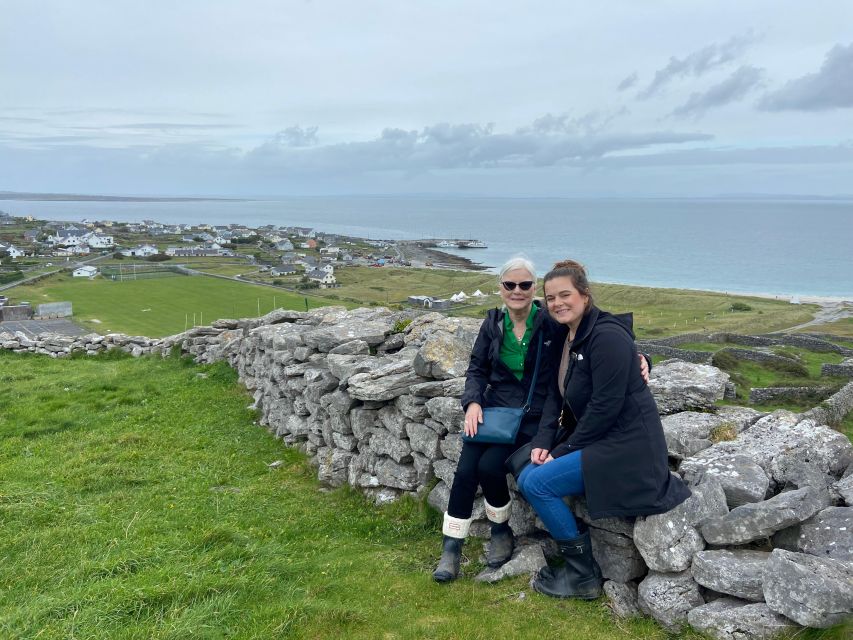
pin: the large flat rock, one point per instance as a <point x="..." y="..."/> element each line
<point x="737" y="572"/>
<point x="668" y="597"/>
<point x="816" y="592"/>
<point x="732" y="619"/>
<point x="689" y="432"/>
<point x="668" y="541"/>
<point x="828" y="534"/>
<point x="683" y="386"/>
<point x="762" y="519"/>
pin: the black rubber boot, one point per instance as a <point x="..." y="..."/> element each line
<point x="451" y="556"/>
<point x="579" y="577"/>
<point x="501" y="545"/>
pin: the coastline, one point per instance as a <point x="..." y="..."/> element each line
<point x="441" y="259"/>
<point x="830" y="308"/>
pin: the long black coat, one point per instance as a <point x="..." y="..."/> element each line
<point x="617" y="424"/>
<point x="490" y="383"/>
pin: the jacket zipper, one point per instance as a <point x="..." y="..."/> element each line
<point x="566" y="402"/>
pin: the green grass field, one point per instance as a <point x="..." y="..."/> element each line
<point x="159" y="306"/>
<point x="657" y="312"/>
<point x="390" y="285"/>
<point x="104" y="536"/>
<point x="843" y="328"/>
<point x="666" y="312"/>
<point x="137" y="502"/>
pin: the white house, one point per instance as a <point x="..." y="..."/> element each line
<point x="13" y="251"/>
<point x="97" y="241"/>
<point x="142" y="251"/>
<point x="328" y="268"/>
<point x="325" y="280"/>
<point x="69" y="237"/>
<point x="84" y="272"/>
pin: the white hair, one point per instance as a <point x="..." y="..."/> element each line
<point x="517" y="262"/>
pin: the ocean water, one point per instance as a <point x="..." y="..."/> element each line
<point x="781" y="247"/>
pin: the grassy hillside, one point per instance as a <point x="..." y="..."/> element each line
<point x="104" y="536"/>
<point x="159" y="306"/>
<point x="172" y="301"/>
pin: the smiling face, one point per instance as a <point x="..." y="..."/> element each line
<point x="565" y="303"/>
<point x="517" y="300"/>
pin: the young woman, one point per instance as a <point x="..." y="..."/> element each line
<point x="616" y="454"/>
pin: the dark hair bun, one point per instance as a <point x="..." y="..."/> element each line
<point x="569" y="264"/>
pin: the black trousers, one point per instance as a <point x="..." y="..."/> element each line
<point x="483" y="465"/>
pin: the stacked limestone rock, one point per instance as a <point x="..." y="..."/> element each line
<point x="764" y="543"/>
<point x="761" y="544"/>
<point x="57" y="346"/>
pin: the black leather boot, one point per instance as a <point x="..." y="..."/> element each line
<point x="579" y="577"/>
<point x="501" y="545"/>
<point x="451" y="555"/>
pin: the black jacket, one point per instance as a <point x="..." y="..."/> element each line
<point x="490" y="383"/>
<point x="616" y="423"/>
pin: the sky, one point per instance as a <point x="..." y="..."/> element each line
<point x="552" y="98"/>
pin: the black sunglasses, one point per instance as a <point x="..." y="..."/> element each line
<point x="509" y="285"/>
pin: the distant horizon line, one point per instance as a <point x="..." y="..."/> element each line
<point x="82" y="197"/>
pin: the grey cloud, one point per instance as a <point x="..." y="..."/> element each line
<point x="592" y="122"/>
<point x="628" y="82"/>
<point x="831" y="87"/>
<point x="461" y="146"/>
<point x="296" y="136"/>
<point x="698" y="63"/>
<point x="735" y="87"/>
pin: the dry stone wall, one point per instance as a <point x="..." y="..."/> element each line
<point x="762" y="545"/>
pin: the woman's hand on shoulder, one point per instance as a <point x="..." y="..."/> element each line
<point x="538" y="456"/>
<point x="473" y="418"/>
<point x="644" y="368"/>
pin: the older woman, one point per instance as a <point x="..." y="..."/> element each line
<point x="499" y="375"/>
<point x="616" y="454"/>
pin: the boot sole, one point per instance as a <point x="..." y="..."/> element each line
<point x="561" y="596"/>
<point x="443" y="577"/>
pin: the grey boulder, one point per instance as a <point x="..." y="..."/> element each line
<point x="743" y="480"/>
<point x="828" y="534"/>
<point x="737" y="572"/>
<point x="443" y="356"/>
<point x="681" y="386"/>
<point x="623" y="599"/>
<point x="732" y="619"/>
<point x="762" y="519"/>
<point x="526" y="559"/>
<point x="668" y="541"/>
<point x="668" y="597"/>
<point x="689" y="432"/>
<point x="816" y="592"/>
<point x="616" y="555"/>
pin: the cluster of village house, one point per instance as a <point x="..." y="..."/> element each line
<point x="202" y="240"/>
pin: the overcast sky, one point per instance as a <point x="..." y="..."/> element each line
<point x="535" y="98"/>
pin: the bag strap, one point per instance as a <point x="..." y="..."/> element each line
<point x="526" y="406"/>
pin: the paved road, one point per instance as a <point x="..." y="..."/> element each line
<point x="34" y="327"/>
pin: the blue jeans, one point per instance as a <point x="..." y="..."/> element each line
<point x="544" y="486"/>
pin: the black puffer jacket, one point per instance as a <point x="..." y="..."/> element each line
<point x="617" y="424"/>
<point x="490" y="383"/>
